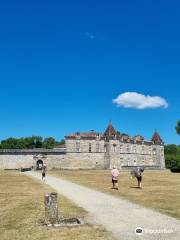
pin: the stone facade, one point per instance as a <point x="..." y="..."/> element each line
<point x="115" y="149"/>
<point x="91" y="150"/>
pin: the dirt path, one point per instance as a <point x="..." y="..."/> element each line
<point x="117" y="215"/>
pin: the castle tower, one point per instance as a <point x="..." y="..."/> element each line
<point x="111" y="146"/>
<point x="110" y="132"/>
<point x="156" y="139"/>
<point x="158" y="149"/>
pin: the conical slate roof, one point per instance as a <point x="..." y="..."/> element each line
<point x="110" y="131"/>
<point x="156" y="138"/>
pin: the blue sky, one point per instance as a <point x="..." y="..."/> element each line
<point x="63" y="62"/>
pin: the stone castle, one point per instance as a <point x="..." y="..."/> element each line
<point x="91" y="150"/>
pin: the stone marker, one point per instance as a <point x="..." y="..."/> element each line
<point x="51" y="208"/>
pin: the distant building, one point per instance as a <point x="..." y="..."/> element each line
<point x="91" y="150"/>
<point x="111" y="148"/>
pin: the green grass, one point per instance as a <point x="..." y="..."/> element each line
<point x="22" y="206"/>
<point x="161" y="189"/>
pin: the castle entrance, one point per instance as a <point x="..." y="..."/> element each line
<point x="39" y="165"/>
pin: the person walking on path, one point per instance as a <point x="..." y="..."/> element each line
<point x="137" y="173"/>
<point x="44" y="172"/>
<point x="115" y="174"/>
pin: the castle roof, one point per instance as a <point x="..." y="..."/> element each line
<point x="110" y="131"/>
<point x="156" y="139"/>
<point x="86" y="135"/>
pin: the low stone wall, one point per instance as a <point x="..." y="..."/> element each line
<point x="53" y="159"/>
<point x="15" y="161"/>
<point x="60" y="159"/>
<point x="84" y="161"/>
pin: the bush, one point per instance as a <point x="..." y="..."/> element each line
<point x="172" y="156"/>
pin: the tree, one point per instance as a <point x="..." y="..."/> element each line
<point x="22" y="143"/>
<point x="171" y="149"/>
<point x="30" y="143"/>
<point x="37" y="140"/>
<point x="62" y="142"/>
<point x="9" y="143"/>
<point x="172" y="156"/>
<point x="178" y="127"/>
<point x="49" y="142"/>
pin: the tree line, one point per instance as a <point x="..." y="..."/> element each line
<point x="30" y="143"/>
<point x="172" y="156"/>
<point x="172" y="153"/>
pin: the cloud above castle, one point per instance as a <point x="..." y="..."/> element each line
<point x="89" y="35"/>
<point x="139" y="101"/>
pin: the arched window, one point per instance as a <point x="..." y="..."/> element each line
<point x="97" y="147"/>
<point x="105" y="147"/>
<point x="114" y="147"/>
<point x="77" y="146"/>
<point x="90" y="147"/>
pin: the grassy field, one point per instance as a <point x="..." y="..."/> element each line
<point x="22" y="205"/>
<point x="161" y="189"/>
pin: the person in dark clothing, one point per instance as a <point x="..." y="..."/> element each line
<point x="137" y="173"/>
<point x="44" y="172"/>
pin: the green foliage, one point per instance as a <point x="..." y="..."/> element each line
<point x="178" y="127"/>
<point x="172" y="156"/>
<point x="171" y="149"/>
<point x="49" y="142"/>
<point x="29" y="143"/>
<point x="62" y="142"/>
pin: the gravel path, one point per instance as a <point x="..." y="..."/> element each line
<point x="117" y="215"/>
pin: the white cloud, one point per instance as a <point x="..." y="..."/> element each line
<point x="139" y="101"/>
<point x="89" y="35"/>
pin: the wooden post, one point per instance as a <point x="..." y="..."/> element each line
<point x="51" y="208"/>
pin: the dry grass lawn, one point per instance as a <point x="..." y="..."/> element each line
<point x="161" y="189"/>
<point x="22" y="205"/>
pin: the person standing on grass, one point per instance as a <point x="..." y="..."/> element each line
<point x="137" y="173"/>
<point x="44" y="172"/>
<point x="115" y="174"/>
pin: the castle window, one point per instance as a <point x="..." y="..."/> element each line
<point x="128" y="148"/>
<point x="105" y="148"/>
<point x="78" y="136"/>
<point x="114" y="147"/>
<point x="78" y="147"/>
<point x="142" y="151"/>
<point x="97" y="136"/>
<point x="90" y="147"/>
<point x="154" y="150"/>
<point x="121" y="148"/>
<point x="97" y="147"/>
